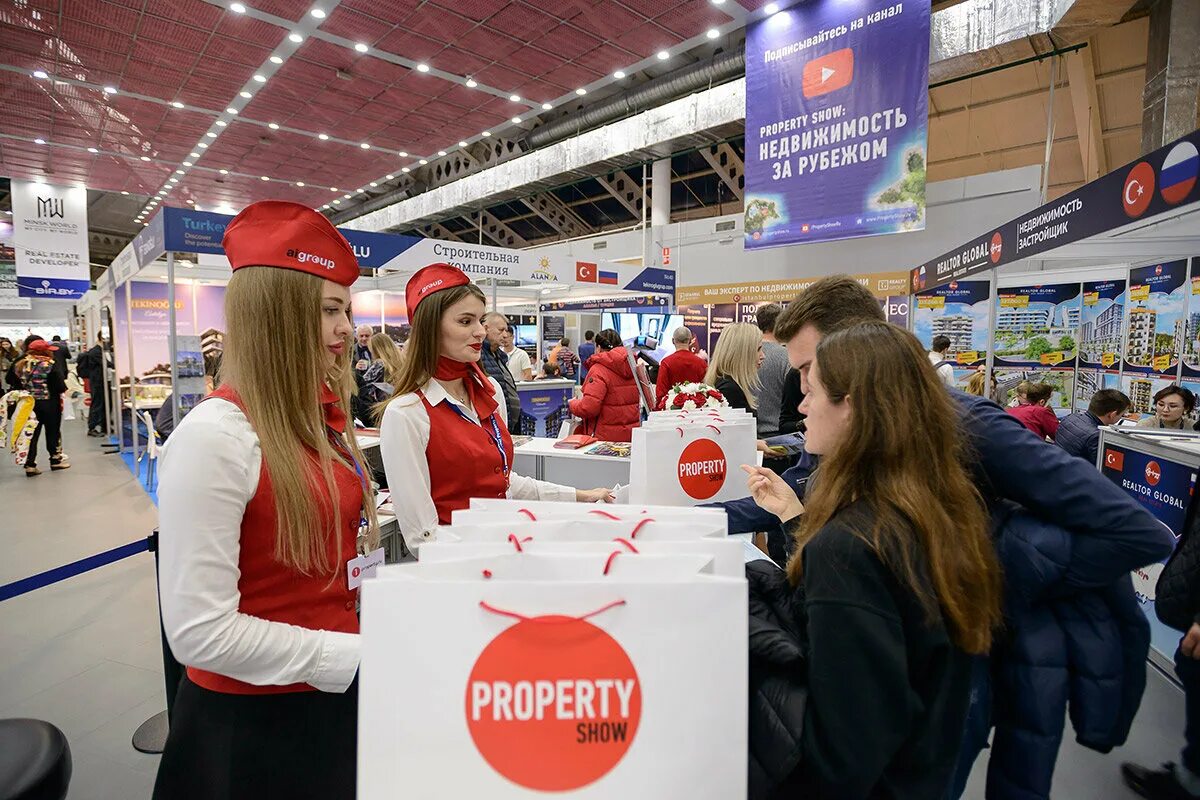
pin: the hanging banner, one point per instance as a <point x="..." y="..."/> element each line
<point x="1037" y="325"/>
<point x="10" y="297"/>
<point x="1162" y="181"/>
<point x="881" y="284"/>
<point x="836" y="111"/>
<point x="958" y="311"/>
<point x="1101" y="327"/>
<point x="50" y="238"/>
<point x="638" y="303"/>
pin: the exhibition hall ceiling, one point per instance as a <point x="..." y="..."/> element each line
<point x="222" y="103"/>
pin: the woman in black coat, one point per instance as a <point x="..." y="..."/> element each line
<point x="861" y="651"/>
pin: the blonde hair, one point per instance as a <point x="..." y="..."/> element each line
<point x="280" y="394"/>
<point x="384" y="350"/>
<point x="975" y="384"/>
<point x="736" y="358"/>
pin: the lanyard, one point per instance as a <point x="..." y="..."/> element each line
<point x="344" y="451"/>
<point x="494" y="434"/>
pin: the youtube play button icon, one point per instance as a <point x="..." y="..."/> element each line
<point x="828" y="73"/>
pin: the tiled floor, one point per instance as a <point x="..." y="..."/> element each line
<point x="85" y="654"/>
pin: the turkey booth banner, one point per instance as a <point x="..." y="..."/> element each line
<point x="556" y="679"/>
<point x="836" y="114"/>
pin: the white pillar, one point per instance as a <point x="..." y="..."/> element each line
<point x="660" y="193"/>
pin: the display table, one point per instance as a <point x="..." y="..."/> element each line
<point x="539" y="459"/>
<point x="543" y="406"/>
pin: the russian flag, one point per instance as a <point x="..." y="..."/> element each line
<point x="608" y="277"/>
<point x="1178" y="174"/>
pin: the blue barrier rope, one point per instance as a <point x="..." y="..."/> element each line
<point x="25" y="585"/>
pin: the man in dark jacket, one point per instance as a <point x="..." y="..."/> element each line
<point x="90" y="367"/>
<point x="1079" y="433"/>
<point x="495" y="363"/>
<point x="1011" y="463"/>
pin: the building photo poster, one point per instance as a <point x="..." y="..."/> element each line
<point x="836" y="113"/>
<point x="1037" y="325"/>
<point x="959" y="311"/>
<point x="1157" y="301"/>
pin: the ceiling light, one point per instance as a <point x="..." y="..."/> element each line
<point x="486" y="133"/>
<point x="365" y="146"/>
<point x="177" y="104"/>
<point x="260" y="78"/>
<point x="187" y="163"/>
<point x="264" y="178"/>
<point x="145" y="158"/>
<point x="193" y="155"/>
<point x="334" y="189"/>
<point x="770" y="8"/>
<point x="231" y="110"/>
<point x="191" y="202"/>
<point x="462" y="144"/>
<point x="362" y="191"/>
<point x="276" y="60"/>
<point x="93" y="150"/>
<point x="441" y="152"/>
<point x="223" y="171"/>
<point x="337" y="202"/>
<point x="405" y="169"/>
<point x="203" y="145"/>
<point x="125" y="193"/>
<point x="273" y="126"/>
<point x="347" y="196"/>
<point x="712" y="33"/>
<point x="546" y="106"/>
<point x="178" y="172"/>
<point x="39" y="141"/>
<point x="211" y="134"/>
<point x="319" y="13"/>
<point x="110" y="90"/>
<point x="373" y="183"/>
<point x="40" y="74"/>
<point x="516" y="98"/>
<point x="361" y="47"/>
<point x="323" y="136"/>
<point x="174" y="180"/>
<point x="246" y="95"/>
<point x="516" y="120"/>
<point x="391" y="177"/>
<point x="619" y="74"/>
<point x="471" y="83"/>
<point x="423" y="162"/>
<point x="663" y="55"/>
<point x="295" y="37"/>
<point x="300" y="184"/>
<point x="422" y="68"/>
<point x="718" y="2"/>
<point x="403" y="154"/>
<point x="237" y="8"/>
<point x="145" y="224"/>
<point x="221" y="123"/>
<point x="581" y="91"/>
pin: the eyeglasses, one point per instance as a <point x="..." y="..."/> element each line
<point x="1169" y="406"/>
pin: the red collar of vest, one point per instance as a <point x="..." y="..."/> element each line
<point x="335" y="418"/>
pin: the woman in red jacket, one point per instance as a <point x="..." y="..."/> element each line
<point x="609" y="406"/>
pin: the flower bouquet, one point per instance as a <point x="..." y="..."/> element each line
<point x="692" y="396"/>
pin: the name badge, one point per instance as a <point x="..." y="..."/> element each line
<point x="362" y="567"/>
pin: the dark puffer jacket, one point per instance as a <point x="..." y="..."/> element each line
<point x="1076" y="640"/>
<point x="609" y="407"/>
<point x="1079" y="435"/>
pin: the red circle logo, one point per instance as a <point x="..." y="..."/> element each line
<point x="1139" y="189"/>
<point x="702" y="469"/>
<point x="997" y="246"/>
<point x="356" y="572"/>
<point x="1153" y="473"/>
<point x="553" y="703"/>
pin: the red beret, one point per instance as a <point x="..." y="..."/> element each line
<point x="41" y="346"/>
<point x="431" y="280"/>
<point x="275" y="233"/>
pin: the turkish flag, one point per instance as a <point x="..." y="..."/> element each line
<point x="1114" y="459"/>
<point x="585" y="272"/>
<point x="828" y="73"/>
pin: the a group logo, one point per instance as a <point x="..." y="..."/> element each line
<point x="1178" y="175"/>
<point x="553" y="703"/>
<point x="997" y="247"/>
<point x="1153" y="473"/>
<point x="1139" y="190"/>
<point x="702" y="469"/>
<point x="431" y="285"/>
<point x="304" y="258"/>
<point x="50" y="207"/>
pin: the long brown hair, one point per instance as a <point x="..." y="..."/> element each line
<point x="280" y="391"/>
<point x="903" y="454"/>
<point x="425" y="341"/>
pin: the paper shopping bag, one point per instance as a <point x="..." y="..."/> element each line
<point x="482" y="509"/>
<point x="728" y="555"/>
<point x="688" y="464"/>
<point x="526" y="675"/>
<point x="491" y="527"/>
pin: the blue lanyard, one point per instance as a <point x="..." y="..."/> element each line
<point x="494" y="435"/>
<point x="344" y="451"/>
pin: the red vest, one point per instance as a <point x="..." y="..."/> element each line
<point x="272" y="591"/>
<point x="464" y="461"/>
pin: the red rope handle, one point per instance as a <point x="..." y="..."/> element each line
<point x="487" y="573"/>
<point x="627" y="544"/>
<point x="605" y="514"/>
<point x="515" y="615"/>
<point x="611" y="556"/>
<point x="680" y="432"/>
<point x="527" y="513"/>
<point x="637" y="528"/>
<point x="512" y="537"/>
<point x="714" y="427"/>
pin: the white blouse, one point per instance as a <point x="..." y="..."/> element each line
<point x="208" y="473"/>
<point x="403" y="438"/>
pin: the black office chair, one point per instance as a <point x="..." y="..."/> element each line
<point x="35" y="760"/>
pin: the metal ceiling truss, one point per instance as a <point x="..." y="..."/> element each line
<point x="728" y="165"/>
<point x="557" y="214"/>
<point x="624" y="189"/>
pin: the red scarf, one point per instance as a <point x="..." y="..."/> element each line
<point x="479" y="388"/>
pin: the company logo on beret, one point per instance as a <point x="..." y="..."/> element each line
<point x="553" y="703"/>
<point x="429" y="287"/>
<point x="304" y="258"/>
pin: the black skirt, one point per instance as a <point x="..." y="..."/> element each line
<point x="229" y="746"/>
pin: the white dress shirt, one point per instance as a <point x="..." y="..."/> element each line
<point x="403" y="438"/>
<point x="945" y="372"/>
<point x="518" y="362"/>
<point x="209" y="471"/>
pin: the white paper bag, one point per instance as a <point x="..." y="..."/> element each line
<point x="728" y="555"/>
<point x="688" y="464"/>
<point x="544" y="510"/>
<point x="551" y="677"/>
<point x="496" y="526"/>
